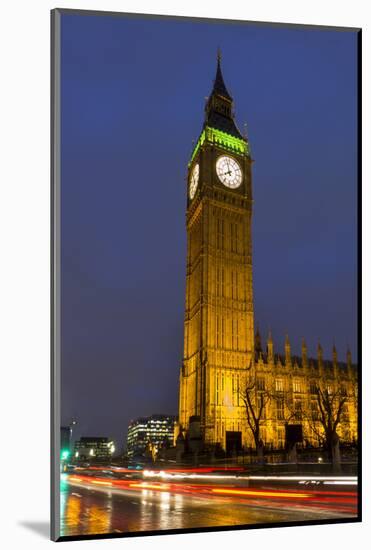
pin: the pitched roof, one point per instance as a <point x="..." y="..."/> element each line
<point x="223" y="123"/>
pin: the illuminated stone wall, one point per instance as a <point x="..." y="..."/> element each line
<point x="219" y="321"/>
<point x="219" y="340"/>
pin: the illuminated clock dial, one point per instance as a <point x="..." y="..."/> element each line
<point x="229" y="172"/>
<point x="195" y="174"/>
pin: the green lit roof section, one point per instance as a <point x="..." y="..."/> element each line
<point x="217" y="137"/>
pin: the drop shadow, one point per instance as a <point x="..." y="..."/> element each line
<point x="42" y="528"/>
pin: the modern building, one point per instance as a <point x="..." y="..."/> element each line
<point x="93" y="449"/>
<point x="222" y="355"/>
<point x="156" y="430"/>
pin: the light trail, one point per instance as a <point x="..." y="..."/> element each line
<point x="307" y="494"/>
<point x="304" y="478"/>
<point x="273" y="494"/>
<point x="340" y="482"/>
<point x="341" y="501"/>
<point x="164" y="474"/>
<point x="210" y="473"/>
<point x="149" y="486"/>
<point x="167" y="474"/>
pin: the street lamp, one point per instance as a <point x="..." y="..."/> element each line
<point x="71" y="425"/>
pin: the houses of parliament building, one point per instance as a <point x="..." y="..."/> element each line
<point x="222" y="350"/>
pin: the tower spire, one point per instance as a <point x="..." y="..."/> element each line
<point x="287" y="351"/>
<point x="334" y="353"/>
<point x="258" y="342"/>
<point x="304" y="355"/>
<point x="335" y="360"/>
<point x="320" y="359"/>
<point x="219" y="85"/>
<point x="270" y="347"/>
<point x="218" y="108"/>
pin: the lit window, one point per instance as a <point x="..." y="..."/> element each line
<point x="280" y="409"/>
<point x="220" y="233"/>
<point x="314" y="410"/>
<point x="298" y="410"/>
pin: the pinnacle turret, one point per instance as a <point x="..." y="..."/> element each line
<point x="287" y="351"/>
<point x="258" y="342"/>
<point x="270" y="348"/>
<point x="304" y="353"/>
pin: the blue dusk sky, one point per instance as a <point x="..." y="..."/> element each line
<point x="132" y="102"/>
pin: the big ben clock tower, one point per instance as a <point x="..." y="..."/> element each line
<point x="219" y="316"/>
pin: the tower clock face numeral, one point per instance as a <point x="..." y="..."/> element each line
<point x="195" y="174"/>
<point x="229" y="172"/>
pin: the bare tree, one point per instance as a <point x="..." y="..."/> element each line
<point x="285" y="406"/>
<point x="287" y="412"/>
<point x="255" y="398"/>
<point x="331" y="405"/>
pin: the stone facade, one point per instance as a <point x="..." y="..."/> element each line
<point x="219" y="339"/>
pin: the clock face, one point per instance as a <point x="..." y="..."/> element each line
<point x="194" y="181"/>
<point x="229" y="172"/>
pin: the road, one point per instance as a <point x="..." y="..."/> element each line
<point x="96" y="502"/>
